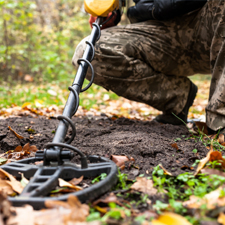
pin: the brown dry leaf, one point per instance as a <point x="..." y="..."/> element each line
<point x="211" y="200"/>
<point x="50" y="216"/>
<point x="5" y="206"/>
<point x="33" y="148"/>
<point x="217" y="156"/>
<point x="21" y="215"/>
<point x="79" y="211"/>
<point x="26" y="146"/>
<point x="169" y="218"/>
<point x="111" y="198"/>
<point x="18" y="148"/>
<point x="120" y="160"/>
<point x="51" y="204"/>
<point x="21" y="152"/>
<point x="165" y="171"/>
<point x="144" y="185"/>
<point x="202" y="127"/>
<point x="174" y="145"/>
<point x="76" y="181"/>
<point x="221" y="218"/>
<point x="63" y="183"/>
<point x="203" y="162"/>
<point x="17" y="135"/>
<point x="16" y="185"/>
<point x="6" y="187"/>
<point x="221" y="138"/>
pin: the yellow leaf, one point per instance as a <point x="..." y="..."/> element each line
<point x="221" y="219"/>
<point x="169" y="218"/>
<point x="63" y="183"/>
<point x="25" y="104"/>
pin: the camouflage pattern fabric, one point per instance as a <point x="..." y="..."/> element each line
<point x="150" y="61"/>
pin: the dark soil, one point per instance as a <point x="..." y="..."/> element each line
<point x="149" y="143"/>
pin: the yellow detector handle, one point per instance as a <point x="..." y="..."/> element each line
<point x="101" y="7"/>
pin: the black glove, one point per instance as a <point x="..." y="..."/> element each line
<point x="142" y="11"/>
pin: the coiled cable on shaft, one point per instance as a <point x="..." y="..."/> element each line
<point x="65" y="119"/>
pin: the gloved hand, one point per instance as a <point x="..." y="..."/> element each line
<point x="142" y="11"/>
<point x="112" y="22"/>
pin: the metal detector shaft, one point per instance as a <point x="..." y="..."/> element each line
<point x="77" y="85"/>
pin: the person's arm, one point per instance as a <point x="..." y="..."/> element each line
<point x="161" y="9"/>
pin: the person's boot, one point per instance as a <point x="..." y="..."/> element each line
<point x="212" y="132"/>
<point x="172" y="119"/>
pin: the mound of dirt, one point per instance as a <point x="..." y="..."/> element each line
<point x="149" y="143"/>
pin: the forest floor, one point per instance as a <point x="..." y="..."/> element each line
<point x="168" y="174"/>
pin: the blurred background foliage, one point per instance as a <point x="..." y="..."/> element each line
<point x="37" y="42"/>
<point x="38" y="38"/>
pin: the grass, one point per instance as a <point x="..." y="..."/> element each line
<point x="56" y="93"/>
<point x="52" y="93"/>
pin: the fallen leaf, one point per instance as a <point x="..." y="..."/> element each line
<point x="111" y="198"/>
<point x="221" y="218"/>
<point x="211" y="200"/>
<point x="17" y="135"/>
<point x="25" y="104"/>
<point x="18" y="148"/>
<point x="165" y="171"/>
<point x="217" y="156"/>
<point x="16" y="185"/>
<point x="78" y="212"/>
<point x="144" y="185"/>
<point x="102" y="210"/>
<point x="21" y="152"/>
<point x="203" y="162"/>
<point x="26" y="146"/>
<point x="120" y="160"/>
<point x="169" y="218"/>
<point x="6" y="187"/>
<point x="33" y="148"/>
<point x="76" y="181"/>
<point x="221" y="138"/>
<point x="63" y="183"/>
<point x="22" y="215"/>
<point x="174" y="145"/>
<point x="51" y="204"/>
<point x="202" y="127"/>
